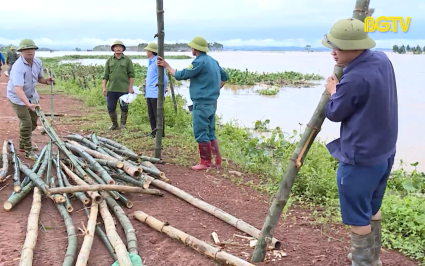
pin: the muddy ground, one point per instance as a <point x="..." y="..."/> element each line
<point x="303" y="242"/>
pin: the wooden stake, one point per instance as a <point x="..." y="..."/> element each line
<point x="27" y="253"/>
<point x="83" y="257"/>
<point x="5" y="160"/>
<point x="198" y="245"/>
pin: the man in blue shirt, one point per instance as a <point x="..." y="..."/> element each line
<point x="151" y="89"/>
<point x="206" y="79"/>
<point x="2" y="62"/>
<point x="365" y="102"/>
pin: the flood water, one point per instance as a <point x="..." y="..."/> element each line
<point x="292" y="106"/>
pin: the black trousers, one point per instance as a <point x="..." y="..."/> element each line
<point x="112" y="98"/>
<point x="152" y="112"/>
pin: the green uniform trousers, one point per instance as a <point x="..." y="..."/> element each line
<point x="27" y="124"/>
<point x="204" y="122"/>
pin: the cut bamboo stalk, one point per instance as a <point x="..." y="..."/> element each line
<point x="157" y="173"/>
<point x="83" y="257"/>
<point x="16" y="170"/>
<point x="125" y="153"/>
<point x="72" y="236"/>
<point x="35" y="167"/>
<point x="34" y="177"/>
<point x="172" y="92"/>
<point x="68" y="205"/>
<point x="5" y="160"/>
<point x="27" y="252"/>
<point x="57" y="197"/>
<point x="215" y="253"/>
<point x="144" y="183"/>
<point x="161" y="78"/>
<point x="220" y="214"/>
<point x="150" y="159"/>
<point x="92" y="163"/>
<point x="215" y="238"/>
<point x="114" y="238"/>
<point x="104" y="238"/>
<point x="98" y="154"/>
<point x="17" y="197"/>
<point x="49" y="162"/>
<point x="128" y="203"/>
<point x="130" y="233"/>
<point x="93" y="194"/>
<point x="101" y="181"/>
<point x="297" y="159"/>
<point x="80" y="195"/>
<point x="116" y="145"/>
<point x="84" y="141"/>
<point x="87" y="188"/>
<point x="113" y="164"/>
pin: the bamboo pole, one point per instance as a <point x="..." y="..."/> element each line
<point x="130" y="233"/>
<point x="170" y="80"/>
<point x="215" y="253"/>
<point x="5" y="160"/>
<point x="80" y="195"/>
<point x="16" y="171"/>
<point x="128" y="203"/>
<point x="72" y="236"/>
<point x="49" y="162"/>
<point x="116" y="145"/>
<point x="114" y="238"/>
<point x="113" y="164"/>
<point x="143" y="184"/>
<point x="129" y="168"/>
<point x="98" y="155"/>
<point x="34" y="177"/>
<point x="104" y="238"/>
<point x="68" y="205"/>
<point x="93" y="194"/>
<point x="92" y="163"/>
<point x="35" y="167"/>
<point x="150" y="159"/>
<point x="297" y="159"/>
<point x="160" y="104"/>
<point x="220" y="214"/>
<point x="125" y="153"/>
<point x="27" y="252"/>
<point x="83" y="257"/>
<point x="99" y="180"/>
<point x="15" y="198"/>
<point x="87" y="188"/>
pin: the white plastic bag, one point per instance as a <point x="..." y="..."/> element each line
<point x="129" y="97"/>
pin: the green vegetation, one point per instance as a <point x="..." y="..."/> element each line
<point x="77" y="57"/>
<point x="268" y="91"/>
<point x="402" y="49"/>
<point x="403" y="206"/>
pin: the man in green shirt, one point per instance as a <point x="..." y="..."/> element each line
<point x="12" y="56"/>
<point x="119" y="76"/>
<point x="206" y="79"/>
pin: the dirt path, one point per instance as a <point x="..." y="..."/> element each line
<point x="304" y="243"/>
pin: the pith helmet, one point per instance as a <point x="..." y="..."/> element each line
<point x="12" y="48"/>
<point x="348" y="34"/>
<point x="26" y="44"/>
<point x="199" y="43"/>
<point x="153" y="47"/>
<point x="117" y="42"/>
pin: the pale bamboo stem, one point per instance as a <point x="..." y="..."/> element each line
<point x="83" y="257"/>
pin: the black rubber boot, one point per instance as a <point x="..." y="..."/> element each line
<point x="376" y="231"/>
<point x="114" y="119"/>
<point x="362" y="249"/>
<point x="123" y="119"/>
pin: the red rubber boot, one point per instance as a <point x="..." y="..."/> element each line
<point x="205" y="154"/>
<point x="216" y="152"/>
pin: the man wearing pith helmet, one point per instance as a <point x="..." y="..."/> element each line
<point x="12" y="56"/>
<point x="22" y="93"/>
<point x="119" y="78"/>
<point x="206" y="79"/>
<point x="365" y="102"/>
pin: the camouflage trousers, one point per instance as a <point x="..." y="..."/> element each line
<point x="27" y="124"/>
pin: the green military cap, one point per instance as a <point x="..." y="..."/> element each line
<point x="348" y="34"/>
<point x="153" y="47"/>
<point x="12" y="47"/>
<point x="26" y="44"/>
<point x="199" y="43"/>
<point x="118" y="42"/>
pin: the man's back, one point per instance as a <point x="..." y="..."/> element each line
<point x="366" y="105"/>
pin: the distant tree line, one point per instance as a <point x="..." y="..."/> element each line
<point x="402" y="49"/>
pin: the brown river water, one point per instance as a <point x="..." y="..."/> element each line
<point x="292" y="106"/>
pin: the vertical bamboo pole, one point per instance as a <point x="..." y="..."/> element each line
<point x="83" y="257"/>
<point x="295" y="162"/>
<point x="160" y="105"/>
<point x="170" y="80"/>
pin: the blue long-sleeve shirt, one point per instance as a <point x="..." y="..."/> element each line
<point x="205" y="76"/>
<point x="2" y="58"/>
<point x="365" y="103"/>
<point x="152" y="79"/>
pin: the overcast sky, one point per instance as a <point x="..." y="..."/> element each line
<point x="86" y="23"/>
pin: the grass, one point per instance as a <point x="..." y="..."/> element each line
<point x="266" y="158"/>
<point x="268" y="91"/>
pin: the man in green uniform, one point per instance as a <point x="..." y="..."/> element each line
<point x="21" y="92"/>
<point x="206" y="79"/>
<point x="12" y="56"/>
<point x="119" y="76"/>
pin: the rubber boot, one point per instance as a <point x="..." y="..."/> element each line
<point x="362" y="249"/>
<point x="123" y="119"/>
<point x="114" y="118"/>
<point x="22" y="147"/>
<point x="205" y="154"/>
<point x="376" y="231"/>
<point x="31" y="155"/>
<point x="216" y="152"/>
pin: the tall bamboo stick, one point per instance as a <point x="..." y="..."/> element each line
<point x="27" y="252"/>
<point x="16" y="170"/>
<point x="83" y="257"/>
<point x="114" y="238"/>
<point x="220" y="214"/>
<point x="125" y="153"/>
<point x="5" y="160"/>
<point x="297" y="159"/>
<point x="72" y="236"/>
<point x="34" y="177"/>
<point x="160" y="104"/>
<point x="116" y="145"/>
<point x="198" y="245"/>
<point x="49" y="162"/>
<point x="80" y="195"/>
<point x="170" y="80"/>
<point x="98" y="155"/>
<point x="68" y="205"/>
